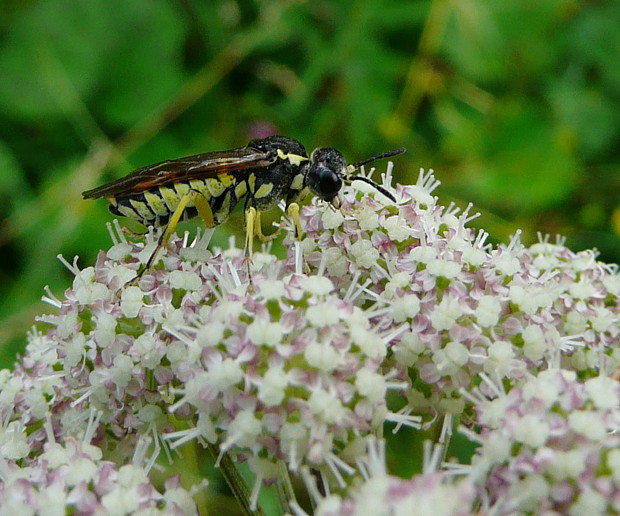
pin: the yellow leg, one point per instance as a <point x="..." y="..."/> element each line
<point x="293" y="212"/>
<point x="251" y="216"/>
<point x="204" y="210"/>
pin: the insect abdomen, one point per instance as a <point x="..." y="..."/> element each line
<point x="156" y="206"/>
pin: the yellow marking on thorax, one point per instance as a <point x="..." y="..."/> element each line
<point x="156" y="203"/>
<point x="298" y="182"/>
<point x="295" y="159"/>
<point x="263" y="191"/>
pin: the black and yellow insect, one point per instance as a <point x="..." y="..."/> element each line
<point x="210" y="185"/>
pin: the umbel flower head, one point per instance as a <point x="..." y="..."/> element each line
<point x="293" y="367"/>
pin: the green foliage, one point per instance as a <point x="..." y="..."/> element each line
<point x="513" y="103"/>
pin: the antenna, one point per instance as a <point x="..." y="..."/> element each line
<point x="388" y="154"/>
<point x="357" y="166"/>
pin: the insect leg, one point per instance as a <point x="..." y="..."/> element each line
<point x="259" y="230"/>
<point x="204" y="208"/>
<point x="293" y="212"/>
<point x="251" y="216"/>
<point x="172" y="224"/>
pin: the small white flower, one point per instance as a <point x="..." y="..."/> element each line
<point x="488" y="310"/>
<point x="371" y="385"/>
<point x="265" y="333"/>
<point x="604" y="392"/>
<point x="210" y="334"/>
<point x="121" y="372"/>
<point x="531" y="431"/>
<point x="318" y="285"/>
<point x="370" y="343"/>
<point x="499" y="360"/>
<point x="332" y="219"/>
<point x="323" y="314"/>
<point x="368" y="219"/>
<point x="243" y="430"/>
<point x="396" y="229"/>
<point x="225" y="374"/>
<point x="185" y="280"/>
<point x="405" y="307"/>
<point x="603" y="319"/>
<point x="506" y="263"/>
<point x="324" y="357"/>
<point x="326" y="406"/>
<point x="423" y="254"/>
<point x="131" y="301"/>
<point x="582" y="289"/>
<point x="588" y="423"/>
<point x="444" y="268"/>
<point x="445" y="314"/>
<point x="272" y="289"/>
<point x="567" y="464"/>
<point x="272" y="387"/>
<point x="364" y="253"/>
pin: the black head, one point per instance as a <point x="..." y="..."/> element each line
<point x="327" y="171"/>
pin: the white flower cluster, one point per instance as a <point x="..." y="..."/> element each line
<point x="382" y="314"/>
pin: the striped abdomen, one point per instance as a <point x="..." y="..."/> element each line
<point x="156" y="206"/>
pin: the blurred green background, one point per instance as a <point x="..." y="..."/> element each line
<point x="514" y="103"/>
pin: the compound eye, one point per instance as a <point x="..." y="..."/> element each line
<point x="329" y="183"/>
